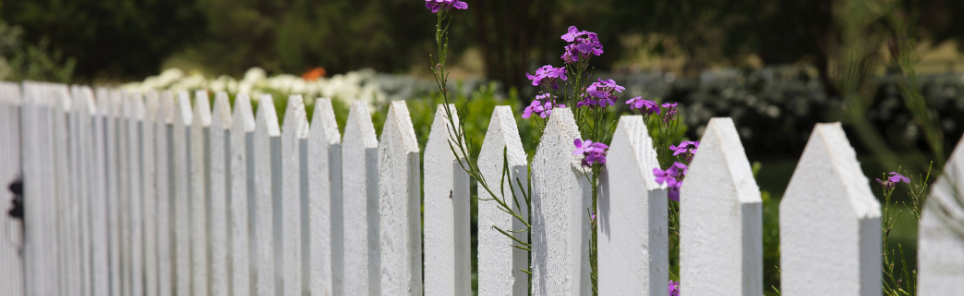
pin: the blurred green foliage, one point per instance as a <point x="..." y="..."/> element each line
<point x="23" y="61"/>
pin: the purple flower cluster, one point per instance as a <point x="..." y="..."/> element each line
<point x="890" y="182"/>
<point x="673" y="177"/>
<point x="671" y="111"/>
<point x="439" y="5"/>
<point x="643" y="106"/>
<point x="673" y="288"/>
<point x="550" y="73"/>
<point x="686" y="148"/>
<point x="541" y="109"/>
<point x="600" y="94"/>
<point x="594" y="152"/>
<point x="581" y="45"/>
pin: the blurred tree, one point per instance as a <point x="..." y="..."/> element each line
<point x="112" y="39"/>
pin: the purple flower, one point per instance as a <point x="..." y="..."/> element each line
<point x="673" y="177"/>
<point x="890" y="183"/>
<point x="644" y="106"/>
<point x="671" y="111"/>
<point x="439" y="5"/>
<point x="600" y="94"/>
<point x="547" y="71"/>
<point x="593" y="152"/>
<point x="544" y="110"/>
<point x="687" y="149"/>
<point x="673" y="288"/>
<point x="580" y="47"/>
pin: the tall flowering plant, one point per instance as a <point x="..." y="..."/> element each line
<point x="569" y="85"/>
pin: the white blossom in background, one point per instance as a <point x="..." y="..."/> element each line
<point x="365" y="85"/>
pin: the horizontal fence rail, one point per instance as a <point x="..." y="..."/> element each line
<point x="167" y="193"/>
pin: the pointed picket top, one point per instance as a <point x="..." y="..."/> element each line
<point x="61" y="96"/>
<point x="165" y="110"/>
<point x="152" y="106"/>
<point x="266" y="135"/>
<point x="561" y="196"/>
<point x="242" y="127"/>
<point x="399" y="202"/>
<point x="183" y="116"/>
<point x="116" y="103"/>
<point x="499" y="264"/>
<point x="940" y="248"/>
<point x="829" y="221"/>
<point x="149" y="144"/>
<point x="294" y="131"/>
<point x="181" y="214"/>
<point x="632" y="231"/>
<point x="202" y="109"/>
<point x="10" y="94"/>
<point x="360" y="176"/>
<point x="325" y="240"/>
<point x="221" y="113"/>
<point x="447" y="242"/>
<point x="138" y="107"/>
<point x="720" y="206"/>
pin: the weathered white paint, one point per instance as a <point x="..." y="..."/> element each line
<point x="149" y="177"/>
<point x="92" y="179"/>
<point x="325" y="200"/>
<point x="447" y="226"/>
<point x="200" y="177"/>
<point x="76" y="194"/>
<point x="165" y="194"/>
<point x="11" y="262"/>
<point x="632" y="233"/>
<point x="829" y="222"/>
<point x="294" y="131"/>
<point x="242" y="191"/>
<point x="940" y="253"/>
<point x="63" y="199"/>
<point x="39" y="239"/>
<point x="360" y="185"/>
<point x="120" y="105"/>
<point x="136" y="113"/>
<point x="560" y="223"/>
<point x="720" y="218"/>
<point x="181" y="139"/>
<point x="267" y="154"/>
<point x="99" y="199"/>
<point x="219" y="189"/>
<point x="499" y="263"/>
<point x="399" y="204"/>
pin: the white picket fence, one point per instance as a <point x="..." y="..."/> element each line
<point x="148" y="195"/>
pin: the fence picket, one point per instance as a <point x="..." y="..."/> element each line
<point x="219" y="185"/>
<point x="63" y="199"/>
<point x="39" y="255"/>
<point x="325" y="200"/>
<point x="940" y="250"/>
<point x="720" y="206"/>
<point x="79" y="132"/>
<point x="267" y="164"/>
<point x="181" y="139"/>
<point x="75" y="179"/>
<point x="447" y="230"/>
<point x="294" y="137"/>
<point x="499" y="264"/>
<point x="200" y="177"/>
<point x="164" y="129"/>
<point x="136" y="113"/>
<point x="11" y="262"/>
<point x="632" y="230"/>
<point x="819" y="241"/>
<point x="560" y="223"/>
<point x="242" y="194"/>
<point x="360" y="190"/>
<point x="121" y="105"/>
<point x="149" y="177"/>
<point x="399" y="204"/>
<point x="100" y="197"/>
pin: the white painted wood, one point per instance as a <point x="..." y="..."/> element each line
<point x="35" y="159"/>
<point x="242" y="194"/>
<point x="829" y="222"/>
<point x="360" y="185"/>
<point x="267" y="153"/>
<point x="181" y="139"/>
<point x="499" y="263"/>
<point x="64" y="199"/>
<point x="400" y="205"/>
<point x="165" y="194"/>
<point x="11" y="262"/>
<point x="200" y="177"/>
<point x="136" y="114"/>
<point x="150" y="192"/>
<point x="219" y="188"/>
<point x="79" y="175"/>
<point x="560" y="223"/>
<point x="100" y="201"/>
<point x="325" y="200"/>
<point x="121" y="112"/>
<point x="114" y="189"/>
<point x="720" y="218"/>
<point x="93" y="183"/>
<point x="294" y="131"/>
<point x="631" y="222"/>
<point x="940" y="253"/>
<point x="447" y="227"/>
